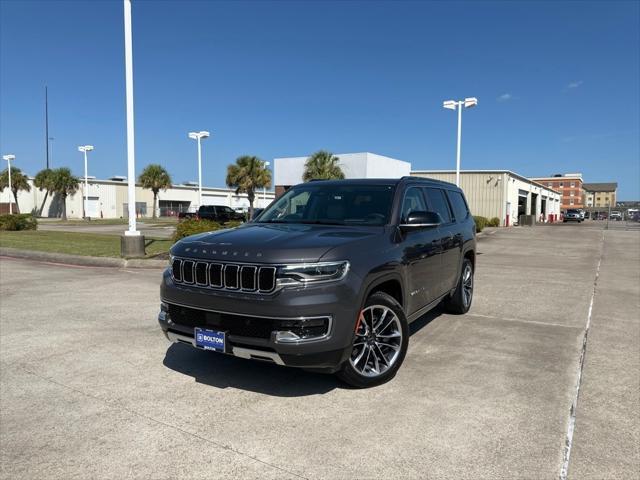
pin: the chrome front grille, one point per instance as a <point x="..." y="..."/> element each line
<point x="224" y="276"/>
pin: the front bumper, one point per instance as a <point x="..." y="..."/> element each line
<point x="339" y="302"/>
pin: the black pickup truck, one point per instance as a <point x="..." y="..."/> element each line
<point x="216" y="213"/>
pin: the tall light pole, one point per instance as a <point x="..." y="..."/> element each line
<point x="51" y="139"/>
<point x="132" y="243"/>
<point x="199" y="136"/>
<point x="264" y="189"/>
<point x="8" y="158"/>
<point x="460" y="104"/>
<point x="84" y="149"/>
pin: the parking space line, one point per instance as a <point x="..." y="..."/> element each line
<point x="572" y="412"/>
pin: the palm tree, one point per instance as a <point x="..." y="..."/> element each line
<point x="19" y="181"/>
<point x="43" y="181"/>
<point x="247" y="174"/>
<point x="322" y="165"/>
<point x="64" y="184"/>
<point x="155" y="178"/>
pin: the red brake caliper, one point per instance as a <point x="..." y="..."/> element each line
<point x="360" y="318"/>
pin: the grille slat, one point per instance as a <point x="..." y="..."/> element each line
<point x="176" y="270"/>
<point x="248" y="277"/>
<point x="231" y="277"/>
<point x="266" y="279"/>
<point x="227" y="276"/>
<point x="201" y="274"/>
<point x="215" y="275"/>
<point x="187" y="271"/>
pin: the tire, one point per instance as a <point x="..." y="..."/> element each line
<point x="459" y="302"/>
<point x="374" y="343"/>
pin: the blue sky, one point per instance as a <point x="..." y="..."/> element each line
<point x="557" y="83"/>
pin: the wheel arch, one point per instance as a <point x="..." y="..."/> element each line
<point x="390" y="284"/>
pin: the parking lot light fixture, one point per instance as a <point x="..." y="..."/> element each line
<point x="84" y="149"/>
<point x="198" y="136"/>
<point x="8" y="158"/>
<point x="459" y="105"/>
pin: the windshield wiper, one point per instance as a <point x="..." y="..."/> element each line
<point x="322" y="222"/>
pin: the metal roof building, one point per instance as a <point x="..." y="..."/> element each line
<point x="502" y="194"/>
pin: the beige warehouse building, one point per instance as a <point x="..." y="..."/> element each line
<point x="502" y="194"/>
<point x="108" y="199"/>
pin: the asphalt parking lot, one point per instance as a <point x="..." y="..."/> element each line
<point x="89" y="388"/>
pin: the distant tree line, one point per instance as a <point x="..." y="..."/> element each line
<point x="246" y="175"/>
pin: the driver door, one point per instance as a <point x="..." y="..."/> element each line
<point x="421" y="255"/>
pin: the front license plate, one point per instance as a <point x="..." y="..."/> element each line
<point x="210" y="339"/>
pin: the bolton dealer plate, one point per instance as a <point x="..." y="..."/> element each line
<point x="210" y="339"/>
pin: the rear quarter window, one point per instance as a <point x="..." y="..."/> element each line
<point x="459" y="205"/>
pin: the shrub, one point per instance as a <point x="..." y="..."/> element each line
<point x="232" y="224"/>
<point x="192" y="226"/>
<point x="494" y="222"/>
<point x="24" y="221"/>
<point x="481" y="222"/>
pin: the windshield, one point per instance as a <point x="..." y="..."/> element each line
<point x="332" y="205"/>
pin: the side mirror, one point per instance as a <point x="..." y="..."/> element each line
<point x="417" y="220"/>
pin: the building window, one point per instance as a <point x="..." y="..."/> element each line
<point x="573" y="184"/>
<point x="598" y="199"/>
<point x="562" y="184"/>
<point x="571" y="202"/>
<point x="549" y="184"/>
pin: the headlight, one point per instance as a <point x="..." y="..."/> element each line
<point x="305" y="273"/>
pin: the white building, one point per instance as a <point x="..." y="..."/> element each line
<point x="108" y="199"/>
<point x="502" y="194"/>
<point x="288" y="171"/>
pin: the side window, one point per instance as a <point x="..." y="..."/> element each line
<point x="460" y="210"/>
<point x="438" y="203"/>
<point x="413" y="202"/>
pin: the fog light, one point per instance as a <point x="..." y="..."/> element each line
<point x="284" y="337"/>
<point x="293" y="331"/>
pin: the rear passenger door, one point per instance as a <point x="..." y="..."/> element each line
<point x="450" y="237"/>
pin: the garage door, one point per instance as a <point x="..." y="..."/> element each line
<point x="93" y="207"/>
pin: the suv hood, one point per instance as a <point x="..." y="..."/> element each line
<point x="270" y="243"/>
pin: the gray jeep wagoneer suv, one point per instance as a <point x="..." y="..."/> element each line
<point x="327" y="278"/>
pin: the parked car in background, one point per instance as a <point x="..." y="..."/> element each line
<point x="572" y="215"/>
<point x="216" y="213"/>
<point x="328" y="278"/>
<point x="615" y="216"/>
<point x="582" y="213"/>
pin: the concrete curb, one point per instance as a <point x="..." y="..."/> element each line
<point x="110" y="261"/>
<point x="82" y="259"/>
<point x="487" y="231"/>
